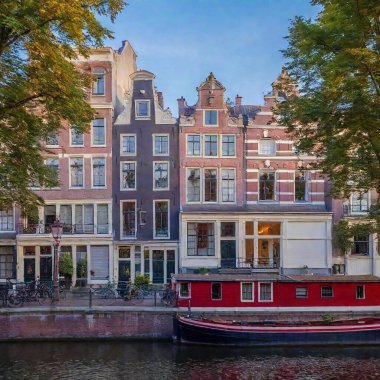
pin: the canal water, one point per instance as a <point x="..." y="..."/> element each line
<point x="116" y="360"/>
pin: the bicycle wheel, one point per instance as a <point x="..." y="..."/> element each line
<point x="44" y="297"/>
<point x="15" y="300"/>
<point x="108" y="294"/>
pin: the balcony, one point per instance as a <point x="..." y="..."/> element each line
<point x="355" y="211"/>
<point x="262" y="264"/>
<point x="68" y="229"/>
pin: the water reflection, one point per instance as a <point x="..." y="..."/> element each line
<point x="116" y="360"/>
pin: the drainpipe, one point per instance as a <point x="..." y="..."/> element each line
<point x="245" y="124"/>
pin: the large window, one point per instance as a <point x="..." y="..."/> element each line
<point x="200" y="239"/>
<point x="142" y="109"/>
<point x="210" y="185"/>
<point x="161" y="219"/>
<point x="99" y="172"/>
<point x="6" y="262"/>
<point x="267" y="147"/>
<point x="228" y="185"/>
<point x="84" y="219"/>
<point x="211" y="117"/>
<point x="98" y="84"/>
<point x="193" y="145"/>
<point x="52" y="139"/>
<point x="300" y="186"/>
<point x="193" y="185"/>
<point x="265" y="292"/>
<point x="161" y="145"/>
<point x="6" y="220"/>
<point x="99" y="259"/>
<point x="247" y="291"/>
<point x="76" y="172"/>
<point x="128" y="175"/>
<point x="361" y="245"/>
<point x="77" y="138"/>
<point x="228" y="145"/>
<point x="102" y="218"/>
<point x="98" y="132"/>
<point x="53" y="165"/>
<point x="267" y="186"/>
<point x="360" y="202"/>
<point x="128" y="145"/>
<point x="211" y="145"/>
<point x="161" y="175"/>
<point x="129" y="219"/>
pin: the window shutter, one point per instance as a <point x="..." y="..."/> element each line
<point x="99" y="261"/>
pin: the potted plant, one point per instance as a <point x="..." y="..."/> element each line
<point x="66" y="268"/>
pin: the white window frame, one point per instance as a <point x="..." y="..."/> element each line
<point x="58" y="173"/>
<point x="105" y="133"/>
<point x="221" y="146"/>
<point x="204" y="145"/>
<point x="271" y="291"/>
<point x="154" y="219"/>
<point x="204" y="118"/>
<point x="122" y="237"/>
<point x="200" y="185"/>
<point x="154" y="144"/>
<point x="53" y="145"/>
<point x="253" y="291"/>
<point x="270" y="153"/>
<point x="154" y="171"/>
<point x="84" y="173"/>
<point x="71" y="140"/>
<point x="203" y="195"/>
<point x="179" y="290"/>
<point x="221" y="186"/>
<point x="275" y="189"/>
<point x="137" y="102"/>
<point x="121" y="144"/>
<point x="307" y="182"/>
<point x="14" y="220"/>
<point x="200" y="145"/>
<point x="99" y="71"/>
<point x="121" y="175"/>
<point x="92" y="173"/>
<point x="302" y="297"/>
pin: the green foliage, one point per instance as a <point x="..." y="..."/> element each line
<point x="66" y="267"/>
<point x="82" y="268"/>
<point x="39" y="85"/>
<point x="142" y="280"/>
<point x="327" y="318"/>
<point x="335" y="60"/>
<point x="203" y="270"/>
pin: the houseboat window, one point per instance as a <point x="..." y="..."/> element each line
<point x="301" y="292"/>
<point x="265" y="292"/>
<point x="247" y="291"/>
<point x="200" y="239"/>
<point x="216" y="291"/>
<point x="184" y="289"/>
<point x="360" y="294"/>
<point x="361" y="245"/>
<point x="327" y="292"/>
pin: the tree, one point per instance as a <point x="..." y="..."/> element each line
<point x="335" y="61"/>
<point x="39" y="85"/>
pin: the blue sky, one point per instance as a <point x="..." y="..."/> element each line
<point x="181" y="41"/>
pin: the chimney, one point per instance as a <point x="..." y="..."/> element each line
<point x="238" y="100"/>
<point x="181" y="104"/>
<point x="160" y="99"/>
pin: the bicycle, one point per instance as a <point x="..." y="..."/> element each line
<point x="27" y="293"/>
<point x="133" y="292"/>
<point x="109" y="291"/>
<point x="169" y="297"/>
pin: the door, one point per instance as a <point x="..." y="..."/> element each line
<point x="158" y="267"/>
<point x="46" y="264"/>
<point x="124" y="271"/>
<point x="29" y="270"/>
<point x="228" y="253"/>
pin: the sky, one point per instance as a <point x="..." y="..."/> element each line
<point x="182" y="41"/>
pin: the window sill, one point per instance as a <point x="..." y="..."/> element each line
<point x="76" y="146"/>
<point x="123" y="189"/>
<point x="142" y="118"/>
<point x="98" y="145"/>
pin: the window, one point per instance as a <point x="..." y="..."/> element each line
<point x="128" y="175"/>
<point x="300" y="186"/>
<point x="142" y="109"/>
<point x="200" y="239"/>
<point x="265" y="292"/>
<point x="228" y="145"/>
<point x="65" y="217"/>
<point x="84" y="219"/>
<point x="326" y="292"/>
<point x="360" y="202"/>
<point x="128" y="145"/>
<point x="193" y="145"/>
<point x="161" y="145"/>
<point x="211" y="145"/>
<point x="227" y="229"/>
<point x="98" y="132"/>
<point x="360" y="293"/>
<point x="98" y="84"/>
<point x="53" y="165"/>
<point x="361" y="245"/>
<point x="99" y="262"/>
<point x="76" y="172"/>
<point x="216" y="291"/>
<point x="193" y="185"/>
<point x="301" y="292"/>
<point x="184" y="290"/>
<point x="99" y="172"/>
<point x="142" y="215"/>
<point x="269" y="228"/>
<point x="267" y="147"/>
<point x="52" y="139"/>
<point x="129" y="219"/>
<point x="102" y="218"/>
<point x="267" y="186"/>
<point x="210" y="185"/>
<point x="228" y="185"/>
<point x="77" y="138"/>
<point x="161" y="175"/>
<point x="161" y="219"/>
<point x="6" y="220"/>
<point x="247" y="291"/>
<point x="6" y="262"/>
<point x="211" y="117"/>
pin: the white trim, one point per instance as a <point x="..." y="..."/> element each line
<point x="180" y="296"/>
<point x="105" y="173"/>
<point x="83" y="173"/>
<point x="122" y="237"/>
<point x="204" y="145"/>
<point x="121" y="176"/>
<point x="102" y="71"/>
<point x="221" y="186"/>
<point x="121" y="144"/>
<point x="71" y="145"/>
<point x="137" y="117"/>
<point x="204" y="186"/>
<point x="200" y="144"/>
<point x="105" y="133"/>
<point x="276" y="309"/>
<point x="154" y="180"/>
<point x="154" y="145"/>
<point x="221" y="145"/>
<point x="258" y="290"/>
<point x="200" y="184"/>
<point x="204" y="118"/>
<point x="241" y="291"/>
<point x="154" y="219"/>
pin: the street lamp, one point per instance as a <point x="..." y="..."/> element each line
<point x="56" y="231"/>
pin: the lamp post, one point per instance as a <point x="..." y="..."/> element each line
<point x="56" y="231"/>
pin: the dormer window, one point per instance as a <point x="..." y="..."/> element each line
<point x="98" y="85"/>
<point x="211" y="117"/>
<point x="267" y="147"/>
<point x="142" y="109"/>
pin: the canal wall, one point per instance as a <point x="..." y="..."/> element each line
<point x="125" y="323"/>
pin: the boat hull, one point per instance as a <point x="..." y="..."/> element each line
<point x="192" y="331"/>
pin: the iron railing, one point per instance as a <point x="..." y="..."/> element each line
<point x="68" y="229"/>
<point x="359" y="211"/>
<point x="250" y="263"/>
